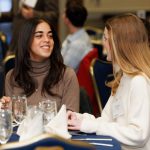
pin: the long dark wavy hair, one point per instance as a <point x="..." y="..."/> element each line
<point x="20" y="73"/>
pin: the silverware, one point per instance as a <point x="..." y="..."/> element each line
<point x="101" y="144"/>
<point x="93" y="139"/>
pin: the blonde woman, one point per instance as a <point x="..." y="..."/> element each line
<point x="126" y="115"/>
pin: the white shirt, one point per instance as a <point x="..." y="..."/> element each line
<point x="75" y="47"/>
<point x="126" y="115"/>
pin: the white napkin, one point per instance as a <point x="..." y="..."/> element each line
<point x="58" y="125"/>
<point x="31" y="126"/>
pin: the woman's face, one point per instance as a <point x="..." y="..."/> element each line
<point x="106" y="44"/>
<point x="43" y="43"/>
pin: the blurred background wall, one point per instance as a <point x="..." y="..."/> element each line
<point x="100" y="10"/>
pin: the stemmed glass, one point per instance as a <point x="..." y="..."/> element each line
<point x="49" y="109"/>
<point x="33" y="110"/>
<point x="19" y="108"/>
<point x="5" y="125"/>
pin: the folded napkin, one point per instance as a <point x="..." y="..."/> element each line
<point x="58" y="125"/>
<point x="32" y="125"/>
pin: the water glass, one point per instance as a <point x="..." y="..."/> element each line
<point x="33" y="110"/>
<point x="5" y="125"/>
<point x="19" y="108"/>
<point x="49" y="109"/>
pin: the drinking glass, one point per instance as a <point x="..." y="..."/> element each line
<point x="49" y="109"/>
<point x="33" y="110"/>
<point x="5" y="125"/>
<point x="19" y="108"/>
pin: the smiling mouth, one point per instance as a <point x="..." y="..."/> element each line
<point x="47" y="47"/>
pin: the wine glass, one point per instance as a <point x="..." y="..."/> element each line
<point x="5" y="125"/>
<point x="49" y="109"/>
<point x="19" y="108"/>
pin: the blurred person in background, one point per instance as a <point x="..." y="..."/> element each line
<point x="77" y="44"/>
<point x="26" y="9"/>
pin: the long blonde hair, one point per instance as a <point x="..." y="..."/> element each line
<point x="129" y="47"/>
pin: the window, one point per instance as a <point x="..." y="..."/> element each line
<point x="5" y="5"/>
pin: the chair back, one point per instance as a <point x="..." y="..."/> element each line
<point x="85" y="80"/>
<point x="47" y="141"/>
<point x="3" y="45"/>
<point x="85" y="103"/>
<point x="94" y="32"/>
<point x="50" y="148"/>
<point x="99" y="71"/>
<point x="101" y="51"/>
<point x="96" y="35"/>
<point x="9" y="63"/>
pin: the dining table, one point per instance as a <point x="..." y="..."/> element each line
<point x="100" y="142"/>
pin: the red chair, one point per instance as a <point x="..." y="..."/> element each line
<point x="85" y="80"/>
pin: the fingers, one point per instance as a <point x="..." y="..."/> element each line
<point x="5" y="99"/>
<point x="5" y="102"/>
<point x="72" y="125"/>
<point x="71" y="115"/>
<point x="71" y="122"/>
<point x="72" y="128"/>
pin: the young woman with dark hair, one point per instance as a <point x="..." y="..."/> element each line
<point x="39" y="71"/>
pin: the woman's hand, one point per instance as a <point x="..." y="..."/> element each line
<point x="74" y="122"/>
<point x="5" y="102"/>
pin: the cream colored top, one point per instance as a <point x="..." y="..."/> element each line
<point x="67" y="88"/>
<point x="126" y="116"/>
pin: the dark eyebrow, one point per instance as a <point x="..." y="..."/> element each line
<point x="42" y="32"/>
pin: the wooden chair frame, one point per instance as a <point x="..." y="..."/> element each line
<point x="99" y="101"/>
